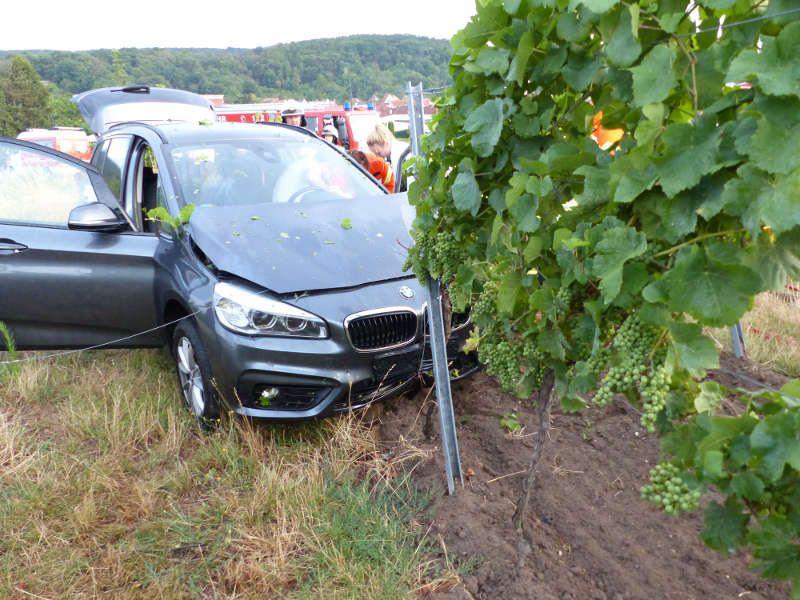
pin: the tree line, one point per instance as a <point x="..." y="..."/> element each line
<point x="35" y="86"/>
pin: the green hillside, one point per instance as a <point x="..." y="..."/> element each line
<point x="327" y="68"/>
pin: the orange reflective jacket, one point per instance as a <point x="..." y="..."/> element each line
<point x="605" y="138"/>
<point x="381" y="171"/>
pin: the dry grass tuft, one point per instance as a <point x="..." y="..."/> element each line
<point x="16" y="455"/>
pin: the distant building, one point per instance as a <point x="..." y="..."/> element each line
<point x="392" y="105"/>
<point x="215" y="99"/>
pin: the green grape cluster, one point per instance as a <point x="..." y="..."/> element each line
<point x="438" y="255"/>
<point x="669" y="491"/>
<point x="511" y="361"/>
<point x="444" y="255"/>
<point x="502" y="359"/>
<point x="484" y="310"/>
<point x="564" y="298"/>
<point x="653" y="390"/>
<point x="416" y="261"/>
<point x="632" y="344"/>
<point x="597" y="362"/>
<point x="535" y="362"/>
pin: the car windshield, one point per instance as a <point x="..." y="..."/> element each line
<point x="243" y="172"/>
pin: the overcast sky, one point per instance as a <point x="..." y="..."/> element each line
<point x="92" y="24"/>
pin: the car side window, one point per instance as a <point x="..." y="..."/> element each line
<point x="312" y="124"/>
<point x="38" y="188"/>
<point x="114" y="164"/>
<point x="148" y="189"/>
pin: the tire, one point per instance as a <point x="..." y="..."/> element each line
<point x="194" y="373"/>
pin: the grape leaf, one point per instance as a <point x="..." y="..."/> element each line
<point x="693" y="350"/>
<point x="508" y="292"/>
<point x="631" y="175"/>
<point x="792" y="388"/>
<point x="776" y="66"/>
<point x="776" y="441"/>
<point x="774" y="147"/>
<point x="523" y="53"/>
<point x="725" y="525"/>
<point x="714" y="293"/>
<point x="762" y="199"/>
<point x="533" y="249"/>
<point x="619" y="245"/>
<point x="572" y="29"/>
<point x="596" y="6"/>
<point x="689" y="153"/>
<point x="497" y="200"/>
<point x="713" y="464"/>
<point x="653" y="79"/>
<point x="580" y="70"/>
<point x="776" y="206"/>
<point x="571" y="404"/>
<point x="747" y="485"/>
<point x="523" y="209"/>
<point x="777" y="261"/>
<point x="466" y="193"/>
<point x="623" y="48"/>
<point x="670" y="219"/>
<point x="486" y="125"/>
<point x="710" y="397"/>
<point x="595" y="185"/>
<point x="551" y="341"/>
<point x="493" y="60"/>
<point x="776" y="551"/>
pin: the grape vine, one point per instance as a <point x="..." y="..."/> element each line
<point x="603" y="265"/>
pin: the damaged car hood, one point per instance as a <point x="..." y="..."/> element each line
<point x="300" y="247"/>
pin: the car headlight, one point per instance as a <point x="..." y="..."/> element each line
<point x="244" y="311"/>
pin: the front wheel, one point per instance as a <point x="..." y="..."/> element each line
<point x="194" y="372"/>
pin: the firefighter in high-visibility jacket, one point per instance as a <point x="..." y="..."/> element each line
<point x="377" y="167"/>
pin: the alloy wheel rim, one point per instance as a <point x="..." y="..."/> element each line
<point x="190" y="376"/>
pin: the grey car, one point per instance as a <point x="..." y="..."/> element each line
<point x="282" y="297"/>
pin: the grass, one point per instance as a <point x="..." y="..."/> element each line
<point x="109" y="490"/>
<point x="771" y="331"/>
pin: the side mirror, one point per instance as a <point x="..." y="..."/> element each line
<point x="95" y="217"/>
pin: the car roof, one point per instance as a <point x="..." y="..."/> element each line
<point x="194" y="132"/>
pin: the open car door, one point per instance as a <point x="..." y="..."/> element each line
<point x="73" y="272"/>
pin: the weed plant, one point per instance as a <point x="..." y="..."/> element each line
<point x="8" y="353"/>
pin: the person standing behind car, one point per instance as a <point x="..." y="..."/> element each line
<point x="375" y="166"/>
<point x="382" y="142"/>
<point x="293" y="115"/>
<point x="329" y="134"/>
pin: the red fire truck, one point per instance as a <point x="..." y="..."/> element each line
<point x="248" y="113"/>
<point x="353" y="124"/>
<point x="72" y="140"/>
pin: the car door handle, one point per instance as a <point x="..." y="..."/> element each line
<point x="11" y="247"/>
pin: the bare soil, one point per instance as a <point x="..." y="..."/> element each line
<point x="591" y="535"/>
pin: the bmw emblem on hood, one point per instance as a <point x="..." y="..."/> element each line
<point x="406" y="292"/>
